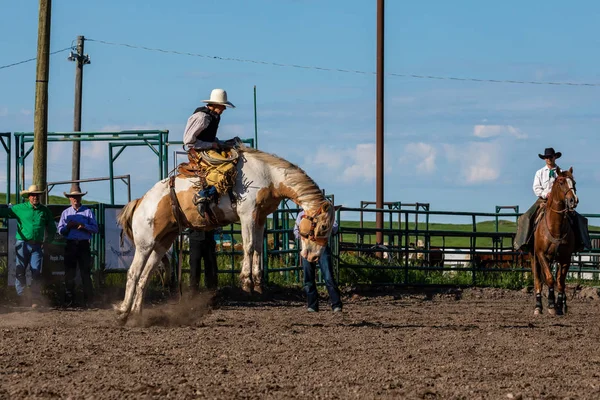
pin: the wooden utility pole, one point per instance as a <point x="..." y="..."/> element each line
<point x="379" y="117"/>
<point x="40" y="122"/>
<point x="80" y="60"/>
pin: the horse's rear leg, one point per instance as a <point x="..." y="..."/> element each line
<point x="537" y="284"/>
<point x="140" y="289"/>
<point x="155" y="258"/>
<point x="561" y="277"/>
<point x="133" y="275"/>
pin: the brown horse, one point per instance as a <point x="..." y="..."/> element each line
<point x="554" y="241"/>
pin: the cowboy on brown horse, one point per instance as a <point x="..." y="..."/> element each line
<point x="542" y="186"/>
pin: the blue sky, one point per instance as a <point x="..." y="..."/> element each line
<point x="458" y="145"/>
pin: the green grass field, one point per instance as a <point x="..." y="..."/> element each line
<point x="445" y="235"/>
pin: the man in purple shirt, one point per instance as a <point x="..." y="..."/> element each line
<point x="77" y="224"/>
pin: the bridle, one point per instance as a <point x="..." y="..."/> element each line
<point x="567" y="208"/>
<point x="564" y="211"/>
<point x="307" y="227"/>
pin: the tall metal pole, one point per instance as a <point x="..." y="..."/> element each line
<point x="40" y="123"/>
<point x="379" y="113"/>
<point x="79" y="63"/>
<point x="255" y="122"/>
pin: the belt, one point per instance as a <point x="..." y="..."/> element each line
<point x="33" y="242"/>
<point x="78" y="240"/>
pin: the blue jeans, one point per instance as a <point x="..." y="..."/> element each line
<point x="310" y="286"/>
<point x="28" y="254"/>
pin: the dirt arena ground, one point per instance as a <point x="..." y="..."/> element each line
<point x="453" y="344"/>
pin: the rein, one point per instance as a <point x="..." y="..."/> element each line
<point x="563" y="214"/>
<point x="553" y="240"/>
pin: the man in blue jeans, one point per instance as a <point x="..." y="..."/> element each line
<point x="310" y="285"/>
<point x="35" y="226"/>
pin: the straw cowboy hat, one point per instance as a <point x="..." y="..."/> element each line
<point x="219" y="96"/>
<point x="33" y="189"/>
<point x="549" y="152"/>
<point x="75" y="191"/>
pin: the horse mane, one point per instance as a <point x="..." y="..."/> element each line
<point x="295" y="176"/>
<point x="124" y="218"/>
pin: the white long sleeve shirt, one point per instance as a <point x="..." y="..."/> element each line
<point x="196" y="124"/>
<point x="542" y="183"/>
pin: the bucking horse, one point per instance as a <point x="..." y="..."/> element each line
<point x="262" y="181"/>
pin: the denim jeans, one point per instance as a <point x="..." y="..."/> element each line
<point x="310" y="286"/>
<point x="28" y="254"/>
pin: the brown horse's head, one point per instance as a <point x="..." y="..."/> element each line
<point x="564" y="190"/>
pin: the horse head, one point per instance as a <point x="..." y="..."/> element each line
<point x="564" y="190"/>
<point x="315" y="229"/>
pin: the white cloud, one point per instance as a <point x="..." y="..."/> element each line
<point x="487" y="131"/>
<point x="349" y="165"/>
<point x="422" y="155"/>
<point x="328" y="157"/>
<point x="362" y="163"/>
<point x="475" y="162"/>
<point x="25" y="111"/>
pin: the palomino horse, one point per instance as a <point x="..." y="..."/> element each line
<point x="263" y="180"/>
<point x="554" y="241"/>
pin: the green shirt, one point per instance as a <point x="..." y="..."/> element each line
<point x="31" y="222"/>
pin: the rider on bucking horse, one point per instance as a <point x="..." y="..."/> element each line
<point x="542" y="185"/>
<point x="205" y="150"/>
<point x="201" y="129"/>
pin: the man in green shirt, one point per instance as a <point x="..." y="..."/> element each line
<point x="33" y="221"/>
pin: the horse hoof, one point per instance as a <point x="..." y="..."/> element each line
<point x="552" y="311"/>
<point x="121" y="319"/>
<point x="258" y="289"/>
<point x="537" y="311"/>
<point x="247" y="287"/>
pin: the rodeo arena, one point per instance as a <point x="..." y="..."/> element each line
<point x="297" y="296"/>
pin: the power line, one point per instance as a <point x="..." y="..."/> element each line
<point x="32" y="59"/>
<point x="451" y="78"/>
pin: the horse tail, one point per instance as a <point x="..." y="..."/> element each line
<point x="124" y="219"/>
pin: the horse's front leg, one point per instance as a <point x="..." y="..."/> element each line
<point x="563" y="269"/>
<point x="546" y="268"/>
<point x="247" y="226"/>
<point x="257" y="270"/>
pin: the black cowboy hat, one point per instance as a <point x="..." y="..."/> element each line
<point x="549" y="152"/>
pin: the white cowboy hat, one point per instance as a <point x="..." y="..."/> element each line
<point x="75" y="191"/>
<point x="219" y="96"/>
<point x="33" y="189"/>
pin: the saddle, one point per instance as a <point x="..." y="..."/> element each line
<point x="577" y="223"/>
<point x="216" y="170"/>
